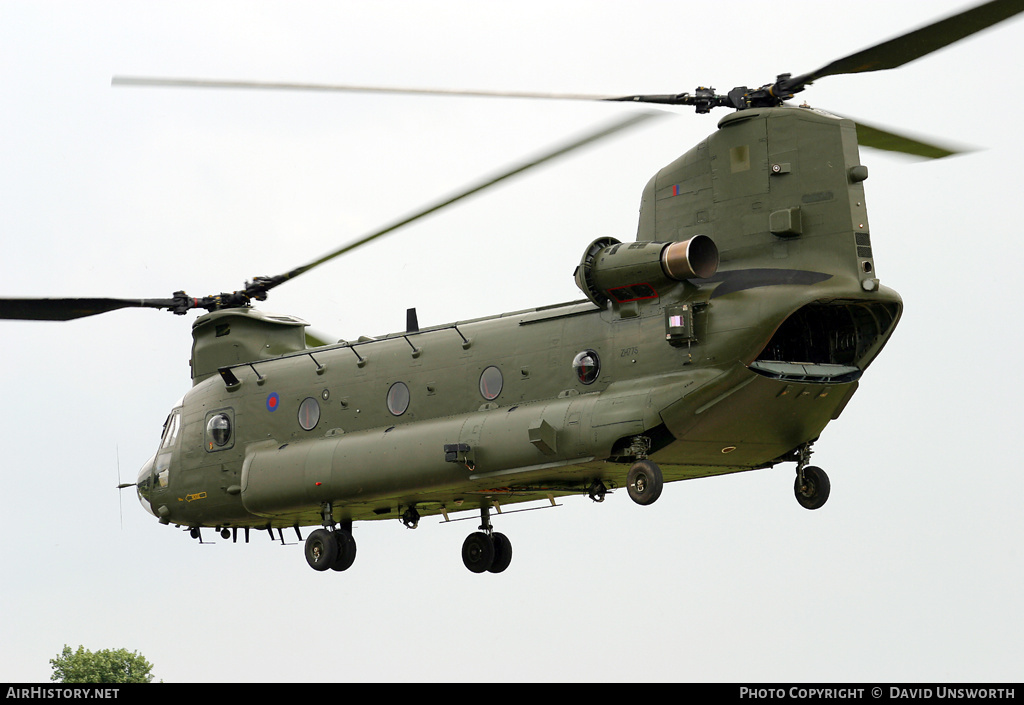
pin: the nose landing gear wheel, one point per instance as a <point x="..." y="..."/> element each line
<point x="813" y="491"/>
<point x="644" y="482"/>
<point x="321" y="549"/>
<point x="478" y="552"/>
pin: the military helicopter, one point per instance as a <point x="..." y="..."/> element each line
<point x="724" y="339"/>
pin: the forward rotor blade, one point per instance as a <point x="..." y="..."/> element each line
<point x="339" y="88"/>
<point x="69" y="309"/>
<point x="477" y="187"/>
<point x="913" y="45"/>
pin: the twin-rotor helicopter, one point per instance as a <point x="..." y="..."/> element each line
<point x="724" y="338"/>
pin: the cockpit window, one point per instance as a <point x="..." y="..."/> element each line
<point x="163" y="470"/>
<point x="171" y="427"/>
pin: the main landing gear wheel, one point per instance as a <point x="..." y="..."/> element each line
<point x="502" y="553"/>
<point x="486" y="551"/>
<point x="482" y="553"/>
<point x="812" y="492"/>
<point x="321" y="549"/>
<point x="644" y="482"/>
<point x="346" y="550"/>
<point x="478" y="552"/>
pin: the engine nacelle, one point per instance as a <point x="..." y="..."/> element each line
<point x="618" y="272"/>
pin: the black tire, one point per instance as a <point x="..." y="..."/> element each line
<point x="478" y="552"/>
<point x="502" y="553"/>
<point x="814" y="491"/>
<point x="346" y="550"/>
<point x="644" y="482"/>
<point x="321" y="549"/>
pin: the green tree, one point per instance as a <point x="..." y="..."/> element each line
<point x="105" y="666"/>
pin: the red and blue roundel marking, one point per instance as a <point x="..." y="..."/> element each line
<point x="272" y="401"/>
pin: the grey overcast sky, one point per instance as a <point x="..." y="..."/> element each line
<point x="911" y="572"/>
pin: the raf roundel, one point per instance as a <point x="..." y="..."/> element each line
<point x="272" y="401"/>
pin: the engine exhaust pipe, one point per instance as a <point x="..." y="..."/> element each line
<point x="694" y="258"/>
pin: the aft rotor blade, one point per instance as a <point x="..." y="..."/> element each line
<point x="913" y="45"/>
<point x="339" y="88"/>
<point x="156" y="82"/>
<point x="477" y="187"/>
<point x="877" y="138"/>
<point x="69" y="309"/>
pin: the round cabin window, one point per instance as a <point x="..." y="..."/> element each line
<point x="587" y="366"/>
<point x="309" y="413"/>
<point x="490" y="383"/>
<point x="398" y="398"/>
<point x="218" y="430"/>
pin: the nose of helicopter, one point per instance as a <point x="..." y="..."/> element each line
<point x="144" y="485"/>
